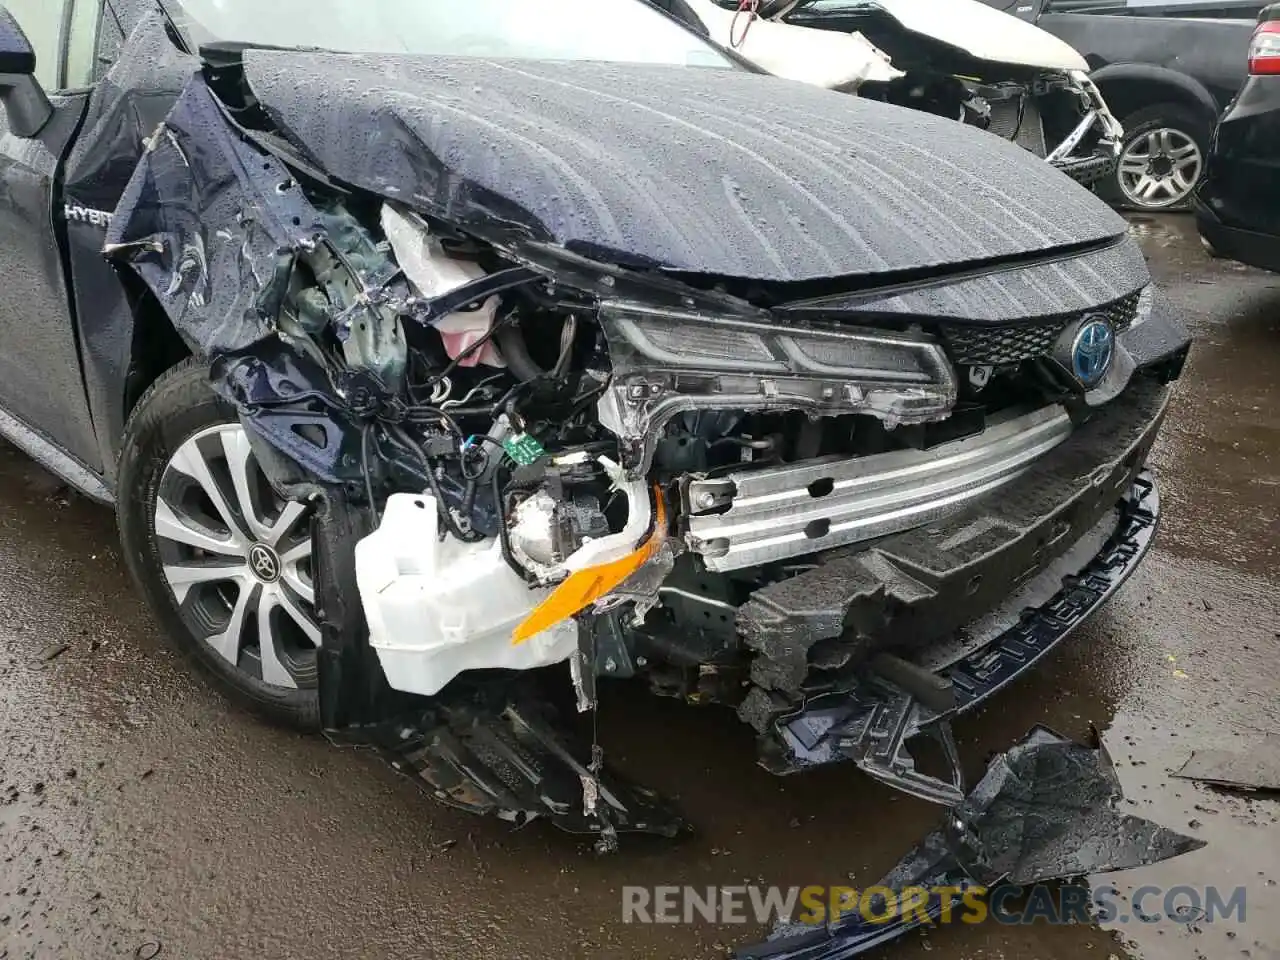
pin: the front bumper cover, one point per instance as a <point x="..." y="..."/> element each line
<point x="851" y="635"/>
<point x="871" y="724"/>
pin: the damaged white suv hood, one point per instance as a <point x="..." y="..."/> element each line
<point x="822" y="58"/>
<point x="835" y="60"/>
<point x="984" y="32"/>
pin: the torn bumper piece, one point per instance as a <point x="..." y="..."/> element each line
<point x="872" y="724"/>
<point x="1045" y="810"/>
<point x="490" y="745"/>
<point x="1076" y="519"/>
<point x="494" y="750"/>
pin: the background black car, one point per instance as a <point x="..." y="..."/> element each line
<point x="1238" y="206"/>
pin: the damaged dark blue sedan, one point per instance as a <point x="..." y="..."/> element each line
<point x="435" y="355"/>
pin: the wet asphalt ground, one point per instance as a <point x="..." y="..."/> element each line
<point x="139" y="812"/>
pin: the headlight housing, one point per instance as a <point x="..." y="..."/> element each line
<point x="668" y="362"/>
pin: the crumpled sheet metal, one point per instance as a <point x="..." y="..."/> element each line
<point x="205" y="220"/>
<point x="289" y="398"/>
<point x="563" y="152"/>
<point x="1045" y="810"/>
<point x="148" y="75"/>
<point x="213" y="225"/>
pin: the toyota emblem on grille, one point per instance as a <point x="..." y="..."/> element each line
<point x="1091" y="351"/>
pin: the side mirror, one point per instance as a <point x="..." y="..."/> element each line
<point x="24" y="99"/>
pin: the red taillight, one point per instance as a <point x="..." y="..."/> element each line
<point x="1264" y="49"/>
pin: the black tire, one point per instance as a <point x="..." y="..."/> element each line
<point x="1138" y="124"/>
<point x="176" y="407"/>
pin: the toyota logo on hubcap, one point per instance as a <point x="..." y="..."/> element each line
<point x="264" y="563"/>
<point x="1091" y="352"/>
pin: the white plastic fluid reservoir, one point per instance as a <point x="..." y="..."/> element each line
<point x="438" y="607"/>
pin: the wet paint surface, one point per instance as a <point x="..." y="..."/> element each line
<point x="137" y="808"/>
<point x="563" y="150"/>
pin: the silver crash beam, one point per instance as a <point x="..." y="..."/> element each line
<point x="753" y="517"/>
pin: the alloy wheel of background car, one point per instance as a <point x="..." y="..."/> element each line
<point x="1160" y="168"/>
<point x="224" y="562"/>
<point x="1162" y="159"/>
<point x="238" y="558"/>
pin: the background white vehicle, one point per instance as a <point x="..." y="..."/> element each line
<point x="957" y="58"/>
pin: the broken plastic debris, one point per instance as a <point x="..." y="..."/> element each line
<point x="434" y="273"/>
<point x="52" y="651"/>
<point x="1045" y="810"/>
<point x="1255" y="769"/>
<point x="496" y="748"/>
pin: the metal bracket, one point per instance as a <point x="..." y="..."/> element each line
<point x="1067" y="146"/>
<point x="480" y="289"/>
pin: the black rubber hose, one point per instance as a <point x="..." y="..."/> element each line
<point x="504" y="535"/>
<point x="469" y="497"/>
<point x="515" y="351"/>
<point x="365" y="435"/>
<point x="442" y="506"/>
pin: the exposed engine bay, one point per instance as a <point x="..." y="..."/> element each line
<point x="525" y="450"/>
<point x="922" y="56"/>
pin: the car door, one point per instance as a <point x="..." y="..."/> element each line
<point x="40" y="372"/>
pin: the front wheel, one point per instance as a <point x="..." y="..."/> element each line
<point x="224" y="563"/>
<point x="1162" y="159"/>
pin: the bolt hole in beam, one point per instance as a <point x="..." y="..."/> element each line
<point x="822" y="487"/>
<point x="817" y="529"/>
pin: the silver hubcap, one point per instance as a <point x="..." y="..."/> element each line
<point x="238" y="559"/>
<point x="1160" y="168"/>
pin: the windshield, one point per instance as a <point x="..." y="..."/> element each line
<point x="610" y="30"/>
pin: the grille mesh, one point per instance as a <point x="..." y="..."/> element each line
<point x="1015" y="342"/>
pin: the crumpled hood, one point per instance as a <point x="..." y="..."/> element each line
<point x="985" y="32"/>
<point x="697" y="170"/>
